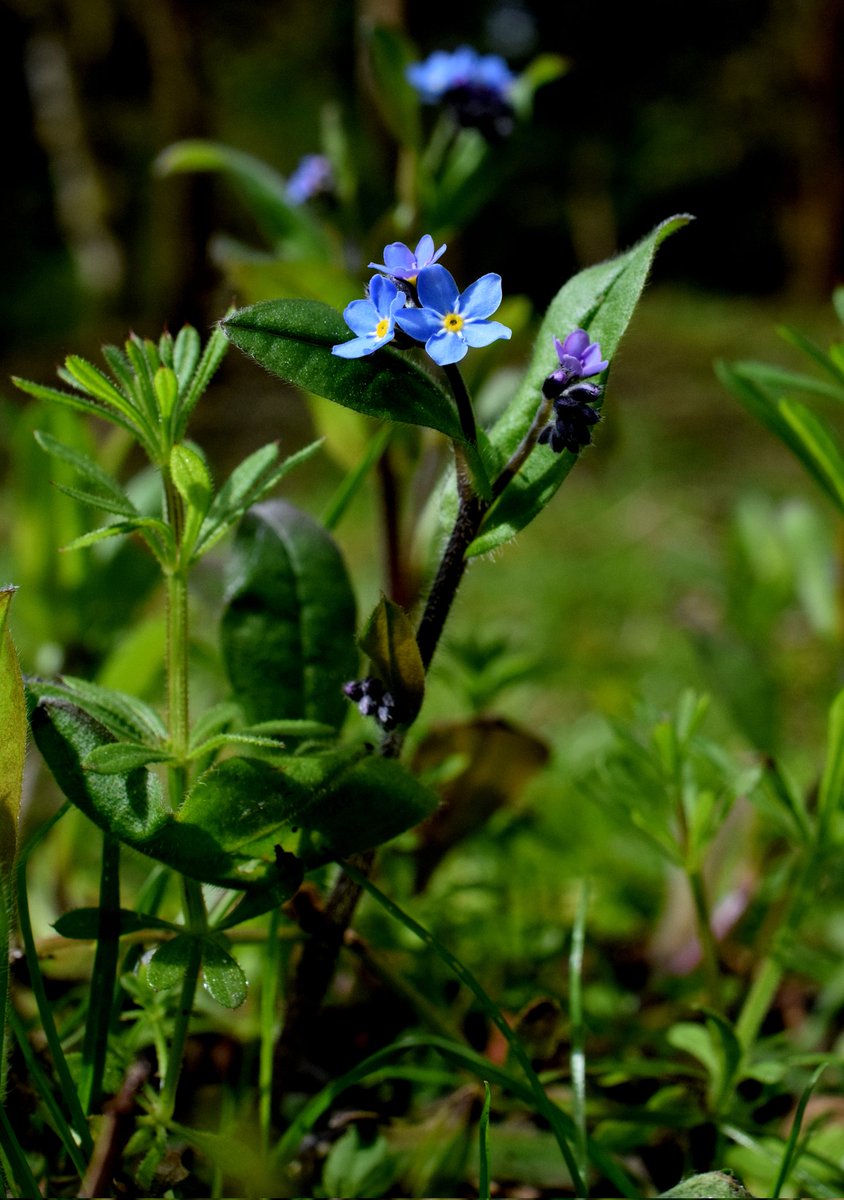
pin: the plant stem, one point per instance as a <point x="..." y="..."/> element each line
<point x="463" y="401"/>
<point x="708" y="945"/>
<point x="177" y="670"/>
<point x="578" y="1035"/>
<point x="519" y="456"/>
<point x="196" y="920"/>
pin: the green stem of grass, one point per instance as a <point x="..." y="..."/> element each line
<point x="578" y="1031"/>
<point x="42" y="1086"/>
<point x="67" y="1086"/>
<point x="103" y="977"/>
<point x="269" y="1001"/>
<point x="483" y="1145"/>
<point x="708" y="945"/>
<point x="547" y="1109"/>
<point x="18" y="1163"/>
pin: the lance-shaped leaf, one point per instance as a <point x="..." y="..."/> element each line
<point x="84" y="923"/>
<point x="389" y="640"/>
<point x="289" y="623"/>
<point x="12" y="740"/>
<point x="601" y="300"/>
<point x="293" y="339"/>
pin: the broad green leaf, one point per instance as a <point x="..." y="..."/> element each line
<point x="115" y="758"/>
<point x="288" y="627"/>
<point x="370" y="803"/>
<point x="12" y="741"/>
<point x="390" y="54"/>
<point x="293" y="339"/>
<point x="84" y="923"/>
<point x="389" y="640"/>
<point x="346" y="800"/>
<point x="222" y="975"/>
<point x="167" y="967"/>
<point x="129" y="806"/>
<point x="601" y="300"/>
<point x="262" y="188"/>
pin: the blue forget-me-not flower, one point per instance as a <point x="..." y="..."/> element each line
<point x="476" y="87"/>
<point x="449" y="321"/>
<point x="312" y="175"/>
<point x="403" y="263"/>
<point x="373" y="320"/>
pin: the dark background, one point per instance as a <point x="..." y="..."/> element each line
<point x="732" y="111"/>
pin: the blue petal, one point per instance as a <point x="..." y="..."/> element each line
<point x="382" y="292"/>
<point x="482" y="297"/>
<point x="481" y="333"/>
<point x="361" y="316"/>
<point x="436" y="289"/>
<point x="420" y="323"/>
<point x="446" y="348"/>
<point x="357" y="347"/>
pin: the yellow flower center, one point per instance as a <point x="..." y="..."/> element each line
<point x="382" y="327"/>
<point x="453" y="322"/>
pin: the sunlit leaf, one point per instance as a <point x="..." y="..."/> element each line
<point x="293" y="339"/>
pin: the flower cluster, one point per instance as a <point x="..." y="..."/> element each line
<point x="572" y="394"/>
<point x="313" y="175"/>
<point x="475" y="87"/>
<point x="420" y="296"/>
<point x="373" y="700"/>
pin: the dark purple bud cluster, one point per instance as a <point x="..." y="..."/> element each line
<point x="573" y="396"/>
<point x="478" y="106"/>
<point x="574" y="416"/>
<point x="373" y="700"/>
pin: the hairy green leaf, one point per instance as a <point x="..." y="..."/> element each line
<point x="601" y="300"/>
<point x="293" y="339"/>
<point x="289" y="623"/>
